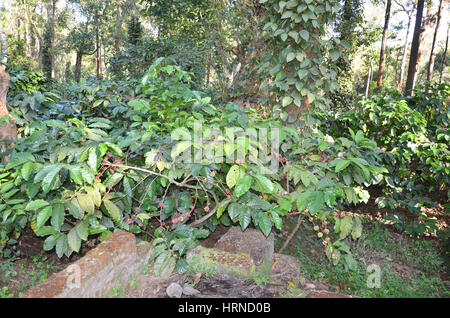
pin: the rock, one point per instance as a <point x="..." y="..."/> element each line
<point x="286" y="268"/>
<point x="190" y="291"/>
<point x="108" y="265"/>
<point x="214" y="261"/>
<point x="174" y="290"/>
<point x="251" y="242"/>
<point x="310" y="286"/>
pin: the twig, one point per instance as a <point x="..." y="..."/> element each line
<point x="299" y="221"/>
<point x="182" y="184"/>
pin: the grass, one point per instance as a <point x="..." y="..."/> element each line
<point x="17" y="277"/>
<point x="408" y="267"/>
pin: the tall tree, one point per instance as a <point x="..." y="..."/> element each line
<point x="412" y="68"/>
<point x="445" y="56"/>
<point x="383" y="42"/>
<point x="8" y="129"/>
<point x="119" y="20"/>
<point x="433" y="46"/>
<point x="409" y="11"/>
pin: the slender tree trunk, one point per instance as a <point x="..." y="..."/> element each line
<point x="118" y="26"/>
<point x="369" y="75"/>
<point x="405" y="51"/>
<point x="53" y="38"/>
<point x="383" y="42"/>
<point x="433" y="46"/>
<point x="77" y="72"/>
<point x="99" y="71"/>
<point x="444" y="57"/>
<point x="412" y="68"/>
<point x="8" y="129"/>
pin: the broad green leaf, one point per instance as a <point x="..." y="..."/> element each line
<point x="61" y="245"/>
<point x="233" y="176"/>
<point x="73" y="240"/>
<point x="27" y="169"/>
<point x="57" y="216"/>
<point x="113" y="210"/>
<point x="36" y="204"/>
<point x="50" y="178"/>
<point x="304" y="34"/>
<point x="264" y="223"/>
<point x="245" y="218"/>
<point x="243" y="185"/>
<point x="86" y="203"/>
<point x="266" y="184"/>
<point x="43" y="216"/>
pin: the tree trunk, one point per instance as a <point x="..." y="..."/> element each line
<point x="118" y="27"/>
<point x="383" y="42"/>
<point x="412" y="68"/>
<point x="405" y="51"/>
<point x="99" y="71"/>
<point x="433" y="46"/>
<point x="77" y="72"/>
<point x="428" y="22"/>
<point x="53" y="37"/>
<point x="8" y="129"/>
<point x="369" y="75"/>
<point x="444" y="57"/>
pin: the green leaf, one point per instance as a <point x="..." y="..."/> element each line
<point x="264" y="223"/>
<point x="245" y="218"/>
<point x="49" y="243"/>
<point x="43" y="216"/>
<point x="233" y="176"/>
<point x="86" y="203"/>
<point x="75" y="174"/>
<point x="316" y="202"/>
<point x="50" y="178"/>
<point x="92" y="160"/>
<point x="334" y="54"/>
<point x="61" y="245"/>
<point x="57" y="216"/>
<point x="304" y="34"/>
<point x="36" y="204"/>
<point x="182" y="266"/>
<point x="113" y="210"/>
<point x="265" y="183"/>
<point x="95" y="196"/>
<point x="180" y="148"/>
<point x="27" y="169"/>
<point x="287" y="100"/>
<point x="82" y="230"/>
<point x="345" y="227"/>
<point x="73" y="240"/>
<point x="243" y="185"/>
<point x="356" y="228"/>
<point x="341" y="164"/>
<point x="285" y="204"/>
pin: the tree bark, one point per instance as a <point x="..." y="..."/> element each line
<point x="118" y="26"/>
<point x="369" y="75"/>
<point x="412" y="68"/>
<point x="433" y="46"/>
<point x="8" y="129"/>
<point x="77" y="72"/>
<point x="405" y="51"/>
<point x="444" y="57"/>
<point x="383" y="43"/>
<point x="99" y="71"/>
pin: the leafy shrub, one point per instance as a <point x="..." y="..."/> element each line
<point x="413" y="133"/>
<point x="115" y="160"/>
